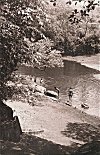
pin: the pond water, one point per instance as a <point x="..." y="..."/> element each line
<point x="85" y="86"/>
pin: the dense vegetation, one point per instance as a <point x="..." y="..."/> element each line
<point x="34" y="31"/>
<point x="75" y="30"/>
<point x="21" y="38"/>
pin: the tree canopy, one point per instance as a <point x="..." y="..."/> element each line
<point x="19" y="21"/>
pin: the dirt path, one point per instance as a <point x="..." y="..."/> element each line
<point x="48" y="118"/>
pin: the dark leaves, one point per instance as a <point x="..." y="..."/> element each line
<point x="75" y="3"/>
<point x="93" y="7"/>
<point x="52" y="0"/>
<point x="69" y="2"/>
<point x="54" y="4"/>
<point x="90" y="4"/>
<point x="75" y="11"/>
<point x="88" y="10"/>
<point x="82" y="12"/>
<point x="70" y="20"/>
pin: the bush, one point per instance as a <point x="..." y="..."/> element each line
<point x="91" y="45"/>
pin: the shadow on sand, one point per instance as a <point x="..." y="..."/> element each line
<point x="82" y="131"/>
<point x="86" y="133"/>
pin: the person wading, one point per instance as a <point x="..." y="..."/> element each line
<point x="70" y="93"/>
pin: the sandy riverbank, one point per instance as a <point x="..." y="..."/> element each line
<point x="49" y="118"/>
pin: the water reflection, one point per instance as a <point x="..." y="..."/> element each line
<point x="75" y="69"/>
<point x="85" y="87"/>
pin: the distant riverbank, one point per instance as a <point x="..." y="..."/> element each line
<point x="88" y="61"/>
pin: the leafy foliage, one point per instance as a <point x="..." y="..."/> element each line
<point x="16" y="21"/>
<point x="22" y="38"/>
<point x="74" y="26"/>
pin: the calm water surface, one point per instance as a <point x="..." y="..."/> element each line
<point x="85" y="87"/>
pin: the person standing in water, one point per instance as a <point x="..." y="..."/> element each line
<point x="70" y="93"/>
